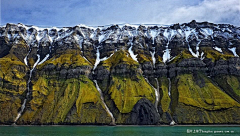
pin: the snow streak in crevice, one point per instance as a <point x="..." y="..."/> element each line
<point x="134" y="57"/>
<point x="28" y="90"/>
<point x="233" y="49"/>
<point x="169" y="87"/>
<point x="156" y="94"/>
<point x="153" y="57"/>
<point x="169" y="34"/>
<point x="98" y="60"/>
<point x="44" y="59"/>
<point x="106" y="107"/>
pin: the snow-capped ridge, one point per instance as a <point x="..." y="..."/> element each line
<point x="192" y="34"/>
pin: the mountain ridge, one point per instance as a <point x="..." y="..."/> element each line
<point x="120" y="75"/>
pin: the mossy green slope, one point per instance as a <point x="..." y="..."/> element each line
<point x="207" y="102"/>
<point x="57" y="100"/>
<point x="215" y="55"/>
<point x="207" y="53"/>
<point x="69" y="58"/>
<point x="119" y="57"/>
<point x="164" y="96"/>
<point x="12" y="87"/>
<point x="230" y="84"/>
<point x="185" y="54"/>
<point x="71" y="101"/>
<point x="126" y="93"/>
<point x="125" y="90"/>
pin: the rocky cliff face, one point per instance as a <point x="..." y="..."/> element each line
<point x="120" y="74"/>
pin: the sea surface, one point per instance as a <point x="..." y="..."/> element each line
<point x="119" y="130"/>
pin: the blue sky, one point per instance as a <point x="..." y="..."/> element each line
<point x="104" y="12"/>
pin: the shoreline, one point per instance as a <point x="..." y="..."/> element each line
<point x="190" y="125"/>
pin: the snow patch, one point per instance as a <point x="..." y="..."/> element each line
<point x="25" y="60"/>
<point x="153" y="57"/>
<point x="166" y="34"/>
<point x="191" y="51"/>
<point x="173" y="33"/>
<point x="9" y="36"/>
<point x="169" y="87"/>
<point x="134" y="57"/>
<point x="197" y="50"/>
<point x="187" y="33"/>
<point x="208" y="31"/>
<point x="131" y="25"/>
<point x="169" y="34"/>
<point x="107" y="109"/>
<point x="218" y="49"/>
<point x="100" y="38"/>
<point x="233" y="49"/>
<point x="79" y="39"/>
<point x="166" y="55"/>
<point x="105" y="58"/>
<point x="89" y="27"/>
<point x="45" y="58"/>
<point x="56" y="28"/>
<point x="156" y="93"/>
<point x="36" y="63"/>
<point x="153" y="33"/>
<point x="202" y="58"/>
<point x="98" y="60"/>
<point x="50" y="39"/>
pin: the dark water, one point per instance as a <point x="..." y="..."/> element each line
<point x="118" y="130"/>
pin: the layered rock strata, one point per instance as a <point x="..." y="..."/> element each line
<point x="120" y="74"/>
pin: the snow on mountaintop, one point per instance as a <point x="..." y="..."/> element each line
<point x="118" y="33"/>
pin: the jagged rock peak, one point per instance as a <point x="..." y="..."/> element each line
<point x="117" y="31"/>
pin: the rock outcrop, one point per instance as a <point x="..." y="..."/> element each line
<point x="125" y="74"/>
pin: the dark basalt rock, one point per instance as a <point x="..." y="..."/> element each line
<point x="187" y="66"/>
<point x="100" y="73"/>
<point x="213" y="69"/>
<point x="165" y="117"/>
<point x="147" y="68"/>
<point x="124" y="70"/>
<point x="64" y="73"/>
<point x="5" y="47"/>
<point x="144" y="113"/>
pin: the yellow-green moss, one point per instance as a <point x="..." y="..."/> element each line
<point x="10" y="67"/>
<point x="9" y="61"/>
<point x="185" y="54"/>
<point x="31" y="62"/>
<point x="119" y="57"/>
<point x="12" y="72"/>
<point x="53" y="100"/>
<point x="164" y="97"/>
<point x="159" y="59"/>
<point x="215" y="55"/>
<point x="9" y="107"/>
<point x="234" y="83"/>
<point x="194" y="115"/>
<point x="72" y="58"/>
<point x="126" y="92"/>
<point x="143" y="58"/>
<point x="209" y="97"/>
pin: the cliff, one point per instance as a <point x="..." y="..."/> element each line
<point x="120" y="74"/>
